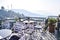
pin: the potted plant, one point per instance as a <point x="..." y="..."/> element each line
<point x="51" y="24"/>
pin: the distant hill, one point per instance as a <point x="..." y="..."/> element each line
<point x="17" y="13"/>
<point x="9" y="13"/>
<point x="27" y="13"/>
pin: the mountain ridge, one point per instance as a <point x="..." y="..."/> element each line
<point x="27" y="13"/>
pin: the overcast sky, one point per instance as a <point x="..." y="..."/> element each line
<point x="44" y="7"/>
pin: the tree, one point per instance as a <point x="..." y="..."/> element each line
<point x="2" y="7"/>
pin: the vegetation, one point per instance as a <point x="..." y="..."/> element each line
<point x="52" y="20"/>
<point x="16" y="18"/>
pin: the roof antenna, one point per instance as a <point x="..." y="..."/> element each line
<point x="11" y="6"/>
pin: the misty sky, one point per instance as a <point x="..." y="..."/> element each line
<point x="43" y="7"/>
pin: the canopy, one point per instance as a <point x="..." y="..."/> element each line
<point x="5" y="33"/>
<point x="28" y="21"/>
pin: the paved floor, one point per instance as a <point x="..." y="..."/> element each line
<point x="37" y="35"/>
